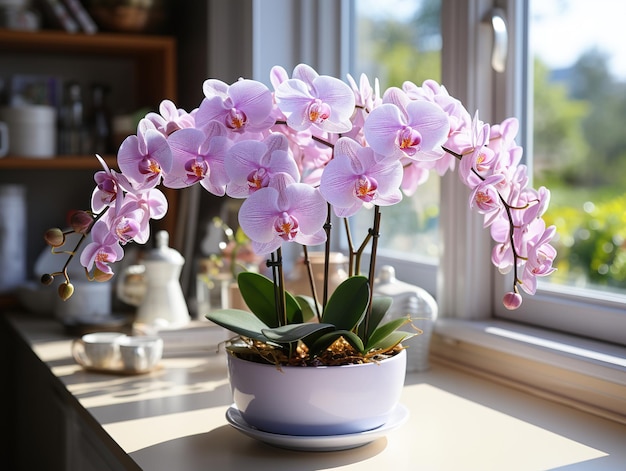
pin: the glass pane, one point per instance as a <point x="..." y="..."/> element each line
<point x="579" y="139"/>
<point x="399" y="40"/>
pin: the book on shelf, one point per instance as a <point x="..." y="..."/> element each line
<point x="57" y="15"/>
<point x="84" y="19"/>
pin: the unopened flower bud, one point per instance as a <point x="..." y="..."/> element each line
<point x="512" y="300"/>
<point x="66" y="290"/>
<point x="47" y="279"/>
<point x="54" y="237"/>
<point x="81" y="221"/>
<point x="99" y="275"/>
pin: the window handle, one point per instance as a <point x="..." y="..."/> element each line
<point x="500" y="40"/>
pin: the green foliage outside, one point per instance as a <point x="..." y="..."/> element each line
<point x="580" y="154"/>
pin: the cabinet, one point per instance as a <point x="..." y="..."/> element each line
<point x="141" y="71"/>
<point x="44" y="425"/>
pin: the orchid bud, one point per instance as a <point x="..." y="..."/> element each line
<point x="66" y="290"/>
<point x="81" y="222"/>
<point x="47" y="279"/>
<point x="54" y="237"/>
<point x="512" y="300"/>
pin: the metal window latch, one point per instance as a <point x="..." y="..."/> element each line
<point x="500" y="39"/>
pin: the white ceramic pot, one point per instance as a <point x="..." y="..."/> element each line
<point x="329" y="400"/>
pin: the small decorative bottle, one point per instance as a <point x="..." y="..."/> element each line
<point x="99" y="121"/>
<point x="71" y="122"/>
<point x="416" y="302"/>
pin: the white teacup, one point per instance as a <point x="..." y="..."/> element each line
<point x="140" y="352"/>
<point x="98" y="350"/>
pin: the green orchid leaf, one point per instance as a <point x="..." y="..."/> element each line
<point x="380" y="306"/>
<point x="384" y="330"/>
<point x="390" y="341"/>
<point x="294" y="312"/>
<point x="326" y="340"/>
<point x="307" y="306"/>
<point x="348" y="303"/>
<point x="294" y="332"/>
<point x="240" y="322"/>
<point x="354" y="340"/>
<point x="258" y="293"/>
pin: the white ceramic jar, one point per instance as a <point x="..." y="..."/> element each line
<point x="32" y="130"/>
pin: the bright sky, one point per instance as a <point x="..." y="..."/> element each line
<point x="562" y="29"/>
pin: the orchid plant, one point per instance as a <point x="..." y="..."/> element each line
<point x="315" y="146"/>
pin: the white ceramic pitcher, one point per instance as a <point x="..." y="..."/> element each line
<point x="154" y="286"/>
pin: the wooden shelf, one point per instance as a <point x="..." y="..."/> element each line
<point x="61" y="162"/>
<point x="101" y="43"/>
<point x="144" y="67"/>
<point x="154" y="57"/>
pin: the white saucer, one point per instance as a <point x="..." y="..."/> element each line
<point x="318" y="442"/>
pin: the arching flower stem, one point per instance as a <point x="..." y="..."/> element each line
<point x="507" y="208"/>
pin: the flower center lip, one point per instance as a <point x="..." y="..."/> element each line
<point x="236" y="119"/>
<point x="365" y="188"/>
<point x="318" y="111"/>
<point x="287" y="226"/>
<point x="409" y="137"/>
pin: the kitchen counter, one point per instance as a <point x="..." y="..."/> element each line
<point x="174" y="417"/>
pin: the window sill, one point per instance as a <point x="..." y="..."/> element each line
<point x="581" y="373"/>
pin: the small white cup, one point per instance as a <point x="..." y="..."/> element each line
<point x="140" y="352"/>
<point x="98" y="350"/>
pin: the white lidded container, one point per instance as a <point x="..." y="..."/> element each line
<point x="416" y="302"/>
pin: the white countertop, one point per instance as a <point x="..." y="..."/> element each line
<point x="174" y="418"/>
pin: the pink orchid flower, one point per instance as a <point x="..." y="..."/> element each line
<point x="142" y="207"/>
<point x="477" y="160"/>
<point x="539" y="258"/>
<point x="284" y="211"/>
<point x="109" y="189"/>
<point x="244" y="106"/>
<point x="251" y="164"/>
<point x="312" y="100"/>
<point x="103" y="250"/>
<point x="354" y="177"/>
<point x="198" y="156"/>
<point x="170" y="118"/>
<point x="144" y="157"/>
<point x="404" y="128"/>
<point x="486" y="200"/>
